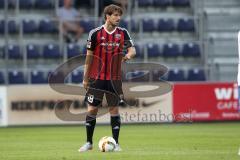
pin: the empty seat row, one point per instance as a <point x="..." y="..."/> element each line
<point x="30" y="26"/>
<point x="148" y="25"/>
<point x="174" y="75"/>
<point x="164" y="3"/>
<point x="49" y="51"/>
<point x="41" y="77"/>
<point x="36" y="77"/>
<point x="192" y="75"/>
<point x="30" y="4"/>
<point x="169" y="50"/>
<point x="43" y="26"/>
<point x="177" y="75"/>
<point x="34" y="51"/>
<point x="168" y="25"/>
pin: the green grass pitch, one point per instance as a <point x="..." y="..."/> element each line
<point x="208" y="141"/>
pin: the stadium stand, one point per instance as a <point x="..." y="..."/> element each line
<point x="171" y="32"/>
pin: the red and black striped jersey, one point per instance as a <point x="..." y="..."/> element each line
<point x="108" y="50"/>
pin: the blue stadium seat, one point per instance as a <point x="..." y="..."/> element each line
<point x="2" y="52"/>
<point x="2" y="3"/>
<point x="153" y="50"/>
<point x="29" y="26"/>
<point x="171" y="50"/>
<point x="2" y="79"/>
<point x="123" y="23"/>
<point x="16" y="77"/>
<point x="196" y="75"/>
<point x="77" y="76"/>
<point x="51" y="51"/>
<point x="191" y="50"/>
<point x="60" y="3"/>
<point x="134" y="26"/>
<point x="161" y="3"/>
<point x="32" y="51"/>
<point x="47" y="26"/>
<point x="139" y="51"/>
<point x="185" y="25"/>
<point x="2" y="23"/>
<point x="176" y="75"/>
<point x="166" y="25"/>
<point x="12" y="4"/>
<point x="73" y="50"/>
<point x="14" y="52"/>
<point x="87" y="25"/>
<point x="12" y="27"/>
<point x="25" y="4"/>
<point x="148" y="25"/>
<point x="145" y="3"/>
<point x="181" y="3"/>
<point x="43" y="4"/>
<point x="38" y="77"/>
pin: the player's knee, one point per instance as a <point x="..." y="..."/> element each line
<point x="92" y="110"/>
<point x="113" y="110"/>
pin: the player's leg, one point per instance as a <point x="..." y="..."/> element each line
<point x="115" y="122"/>
<point x="113" y="99"/>
<point x="90" y="126"/>
<point x="91" y="122"/>
<point x="94" y="99"/>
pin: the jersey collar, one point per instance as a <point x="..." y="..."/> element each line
<point x="108" y="31"/>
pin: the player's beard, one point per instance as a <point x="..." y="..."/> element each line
<point x="114" y="24"/>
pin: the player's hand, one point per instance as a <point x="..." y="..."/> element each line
<point x="85" y="84"/>
<point x="125" y="58"/>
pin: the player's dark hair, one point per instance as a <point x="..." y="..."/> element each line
<point x="110" y="9"/>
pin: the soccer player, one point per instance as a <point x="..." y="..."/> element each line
<point x="102" y="74"/>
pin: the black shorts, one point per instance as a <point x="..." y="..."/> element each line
<point x="97" y="88"/>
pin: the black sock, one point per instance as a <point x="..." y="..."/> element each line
<point x="90" y="125"/>
<point x="115" y="123"/>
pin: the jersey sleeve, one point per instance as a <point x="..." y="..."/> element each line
<point x="128" y="42"/>
<point x="91" y="41"/>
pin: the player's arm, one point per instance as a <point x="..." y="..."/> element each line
<point x="131" y="52"/>
<point x="88" y="63"/>
<point x="89" y="57"/>
<point x="128" y="44"/>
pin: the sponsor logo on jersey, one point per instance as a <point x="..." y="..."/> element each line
<point x="118" y="36"/>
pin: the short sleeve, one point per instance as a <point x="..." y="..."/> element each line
<point x="91" y="41"/>
<point x="75" y="13"/>
<point x="128" y="42"/>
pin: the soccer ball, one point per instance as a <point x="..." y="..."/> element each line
<point x="107" y="144"/>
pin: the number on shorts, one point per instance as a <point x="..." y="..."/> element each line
<point x="90" y="98"/>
